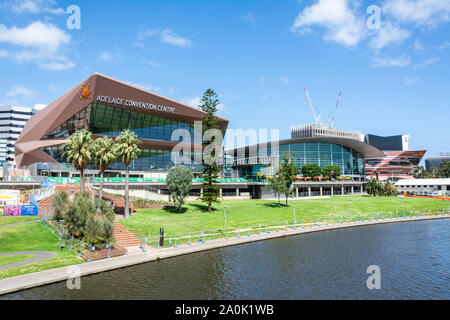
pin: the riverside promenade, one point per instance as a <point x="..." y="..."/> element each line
<point x="137" y="256"/>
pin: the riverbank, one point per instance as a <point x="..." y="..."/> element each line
<point x="136" y="257"/>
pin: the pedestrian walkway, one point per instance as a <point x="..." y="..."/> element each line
<point x="18" y="224"/>
<point x="38" y="256"/>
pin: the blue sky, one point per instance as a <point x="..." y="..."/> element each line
<point x="257" y="55"/>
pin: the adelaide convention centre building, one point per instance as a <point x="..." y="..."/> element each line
<point x="106" y="106"/>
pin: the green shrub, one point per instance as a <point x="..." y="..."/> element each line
<point x="89" y="217"/>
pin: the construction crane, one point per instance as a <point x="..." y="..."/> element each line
<point x="316" y="116"/>
<point x="330" y="124"/>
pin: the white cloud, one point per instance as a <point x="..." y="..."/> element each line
<point x="419" y="12"/>
<point x="55" y="65"/>
<point x="389" y="34"/>
<point x="262" y="79"/>
<point x="408" y="81"/>
<point x="284" y="80"/>
<point x="399" y="62"/>
<point x="343" y="25"/>
<point x="171" y="90"/>
<point x="151" y="63"/>
<point x="166" y="36"/>
<point x="426" y="63"/>
<point x="147" y="87"/>
<point x="37" y="35"/>
<point x="445" y="45"/>
<point x="35" y="6"/>
<point x="21" y="92"/>
<point x="3" y="53"/>
<point x="109" y="57"/>
<point x="249" y="17"/>
<point x="39" y="43"/>
<point x="193" y="102"/>
<point x="418" y="45"/>
<point x="40" y="106"/>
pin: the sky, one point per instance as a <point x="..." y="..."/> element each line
<point x="390" y="58"/>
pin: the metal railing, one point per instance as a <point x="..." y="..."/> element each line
<point x="155" y="242"/>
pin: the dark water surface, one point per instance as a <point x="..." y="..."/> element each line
<point x="414" y="258"/>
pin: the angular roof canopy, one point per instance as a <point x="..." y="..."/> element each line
<point x="107" y="91"/>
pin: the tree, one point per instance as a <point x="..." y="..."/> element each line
<point x="211" y="169"/>
<point x="79" y="151"/>
<point x="127" y="150"/>
<point x="434" y="172"/>
<point x="311" y="170"/>
<point x="421" y="173"/>
<point x="287" y="173"/>
<point x="59" y="202"/>
<point x="179" y="183"/>
<point x="276" y="186"/>
<point x="444" y="169"/>
<point x="89" y="218"/>
<point x="332" y="172"/>
<point x="105" y="154"/>
<point x="373" y="187"/>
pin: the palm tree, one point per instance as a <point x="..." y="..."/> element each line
<point x="127" y="149"/>
<point x="79" y="151"/>
<point x="105" y="154"/>
<point x="373" y="187"/>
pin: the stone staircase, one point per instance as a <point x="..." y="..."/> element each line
<point x="121" y="234"/>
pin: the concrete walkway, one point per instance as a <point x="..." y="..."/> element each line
<point x="17" y="224"/>
<point x="152" y="254"/>
<point x="38" y="256"/>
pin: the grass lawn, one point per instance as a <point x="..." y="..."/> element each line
<point x="12" y="219"/>
<point x="241" y="213"/>
<point x="12" y="259"/>
<point x="33" y="237"/>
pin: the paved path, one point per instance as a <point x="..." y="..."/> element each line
<point x="38" y="256"/>
<point x="16" y="224"/>
<point x="137" y="256"/>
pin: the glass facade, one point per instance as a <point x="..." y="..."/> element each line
<point x="323" y="154"/>
<point x="110" y="121"/>
<point x="106" y="120"/>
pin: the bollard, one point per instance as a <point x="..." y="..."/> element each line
<point x="175" y="246"/>
<point x="109" y="250"/>
<point x="127" y="245"/>
<point x="189" y="243"/>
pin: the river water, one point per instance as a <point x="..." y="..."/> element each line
<point x="413" y="257"/>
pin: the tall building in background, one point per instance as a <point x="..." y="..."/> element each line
<point x="400" y="161"/>
<point x="321" y="130"/>
<point x="391" y="143"/>
<point x="436" y="161"/>
<point x="12" y="121"/>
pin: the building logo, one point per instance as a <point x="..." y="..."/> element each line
<point x="85" y="92"/>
